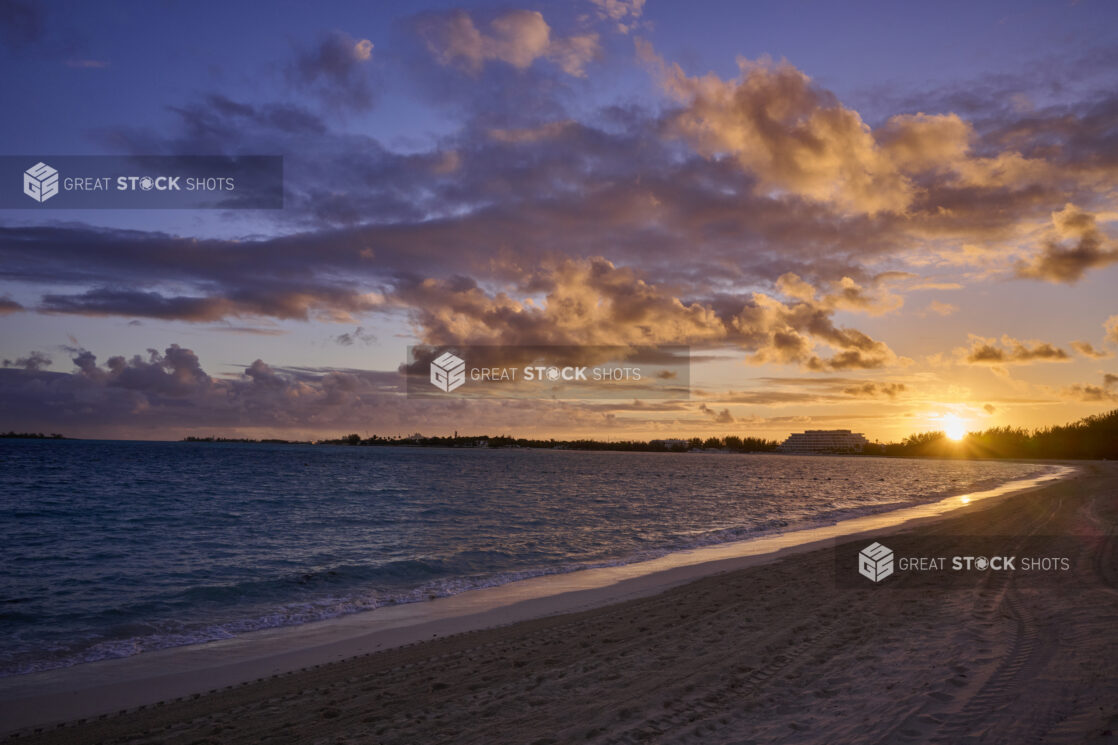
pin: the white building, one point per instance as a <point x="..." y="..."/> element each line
<point x="824" y="441"/>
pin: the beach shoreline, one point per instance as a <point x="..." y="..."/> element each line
<point x="45" y="699"/>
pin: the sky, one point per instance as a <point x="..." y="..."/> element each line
<point x="875" y="216"/>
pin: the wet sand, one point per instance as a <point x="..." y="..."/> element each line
<point x="772" y="652"/>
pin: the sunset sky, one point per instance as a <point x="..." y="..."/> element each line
<point x="859" y="215"/>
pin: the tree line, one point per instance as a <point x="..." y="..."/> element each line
<point x="1094" y="437"/>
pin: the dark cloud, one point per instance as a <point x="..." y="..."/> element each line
<point x="1011" y="351"/>
<point x="34" y="361"/>
<point x="1088" y="393"/>
<point x="359" y="334"/>
<point x="718" y="417"/>
<point x="7" y="305"/>
<point x="875" y="390"/>
<point x="168" y="394"/>
<point x="22" y="22"/>
<point x="1056" y="87"/>
<point x="169" y="389"/>
<point x="337" y="70"/>
<point x="1093" y="393"/>
<point x="291" y="302"/>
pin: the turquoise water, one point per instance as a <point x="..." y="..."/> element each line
<point x="114" y="548"/>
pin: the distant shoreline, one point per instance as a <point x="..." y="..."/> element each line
<point x="1091" y="438"/>
<point x="573" y="446"/>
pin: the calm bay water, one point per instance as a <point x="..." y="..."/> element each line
<point x="114" y="548"/>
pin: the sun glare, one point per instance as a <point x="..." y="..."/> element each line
<point x="953" y="427"/>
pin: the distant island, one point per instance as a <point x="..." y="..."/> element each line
<point x="1095" y="437"/>
<point x="720" y="444"/>
<point x="273" y="441"/>
<point x="31" y="436"/>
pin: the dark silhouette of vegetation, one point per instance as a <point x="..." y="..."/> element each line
<point x="728" y="444"/>
<point x="32" y="436"/>
<point x="1094" y="437"/>
<point x="272" y="441"/>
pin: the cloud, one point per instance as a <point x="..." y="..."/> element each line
<point x="1111" y="326"/>
<point x="920" y="142"/>
<point x="989" y="408"/>
<point x="782" y="127"/>
<point x="1074" y="245"/>
<point x="624" y="13"/>
<point x="505" y="228"/>
<point x="798" y="139"/>
<point x="594" y="302"/>
<point x="292" y="302"/>
<point x="1011" y="351"/>
<point x="87" y="64"/>
<point x="875" y="390"/>
<point x="1109" y="380"/>
<point x="34" y="361"/>
<point x="359" y="334"/>
<point x="589" y="302"/>
<point x="1088" y="393"/>
<point x="791" y="285"/>
<point x="516" y="136"/>
<point x="7" y="305"/>
<point x="168" y="394"/>
<point x="1087" y="350"/>
<point x="169" y="390"/>
<point x="21" y="22"/>
<point x="718" y="417"/>
<point x="516" y="37"/>
<point x="940" y="309"/>
<point x="337" y="71"/>
<point x="846" y="294"/>
<point x="339" y="277"/>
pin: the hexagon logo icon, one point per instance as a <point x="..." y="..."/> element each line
<point x="40" y="182"/>
<point x="448" y="372"/>
<point x="875" y="562"/>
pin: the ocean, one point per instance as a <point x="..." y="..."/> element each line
<point x="115" y="548"/>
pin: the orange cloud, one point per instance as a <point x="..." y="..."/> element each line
<point x="594" y="302"/>
<point x="940" y="309"/>
<point x="1111" y="326"/>
<point x="1011" y="351"/>
<point x="918" y="142"/>
<point x="516" y="37"/>
<point x="1088" y="350"/>
<point x="780" y="126"/>
<point x="1074" y="245"/>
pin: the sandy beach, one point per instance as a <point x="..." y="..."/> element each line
<point x="763" y="654"/>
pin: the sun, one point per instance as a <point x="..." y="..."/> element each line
<point x="953" y="427"/>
